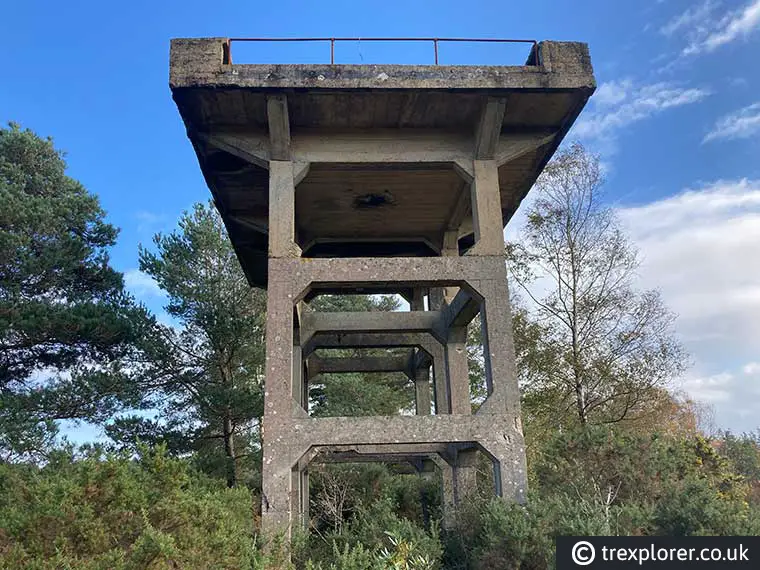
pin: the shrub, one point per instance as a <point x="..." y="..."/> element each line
<point x="120" y="513"/>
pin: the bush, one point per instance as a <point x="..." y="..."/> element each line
<point x="598" y="481"/>
<point x="119" y="513"/>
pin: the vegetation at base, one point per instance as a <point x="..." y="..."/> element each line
<point x="99" y="511"/>
<point x="95" y="510"/>
<point x="611" y="450"/>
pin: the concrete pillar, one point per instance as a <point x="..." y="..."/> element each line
<point x="421" y="375"/>
<point x="510" y="469"/>
<point x="280" y="372"/>
<point x="300" y="496"/>
<point x="422" y="391"/>
<point x="458" y="372"/>
<point x="282" y="210"/>
<point x="486" y="209"/>
<point x="499" y="350"/>
<point x="442" y="296"/>
<point x="447" y="487"/>
<point x="440" y="381"/>
<point x="465" y="475"/>
<point x="278" y="408"/>
<point x="298" y="383"/>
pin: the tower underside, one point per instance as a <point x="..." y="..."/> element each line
<point x="343" y="179"/>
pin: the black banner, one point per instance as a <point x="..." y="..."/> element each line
<point x="613" y="552"/>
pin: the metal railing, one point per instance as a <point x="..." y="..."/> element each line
<point x="434" y="41"/>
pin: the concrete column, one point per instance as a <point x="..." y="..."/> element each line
<point x="305" y="389"/>
<point x="486" y="209"/>
<point x="510" y="468"/>
<point x="499" y="348"/>
<point x="447" y="491"/>
<point x="300" y="496"/>
<point x="283" y="384"/>
<point x="282" y="210"/>
<point x="440" y="381"/>
<point x="422" y="391"/>
<point x="465" y="475"/>
<point x="421" y="376"/>
<point x="298" y="383"/>
<point x="442" y="296"/>
<point x="305" y="497"/>
<point x="458" y="372"/>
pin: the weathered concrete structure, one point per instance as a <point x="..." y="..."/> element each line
<point x="379" y="179"/>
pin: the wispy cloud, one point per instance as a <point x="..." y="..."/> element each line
<point x="618" y="104"/>
<point x="698" y="248"/>
<point x="695" y="18"/>
<point x="714" y="390"/>
<point x="141" y="285"/>
<point x="706" y="29"/>
<point x="740" y="124"/>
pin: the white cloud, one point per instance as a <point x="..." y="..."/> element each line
<point x="701" y="249"/>
<point x="141" y="285"/>
<point x="612" y="92"/>
<point x="705" y="30"/>
<point x="710" y="389"/>
<point x="696" y="16"/>
<point x="619" y="104"/>
<point x="740" y="124"/>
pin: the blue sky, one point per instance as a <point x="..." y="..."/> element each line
<point x="676" y="119"/>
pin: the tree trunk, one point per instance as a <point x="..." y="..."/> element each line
<point x="580" y="402"/>
<point x="229" y="452"/>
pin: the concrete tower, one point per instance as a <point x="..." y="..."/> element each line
<point x="346" y="179"/>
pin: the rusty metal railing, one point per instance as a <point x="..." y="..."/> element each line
<point x="434" y="41"/>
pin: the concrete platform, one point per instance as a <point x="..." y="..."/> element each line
<point x="385" y="151"/>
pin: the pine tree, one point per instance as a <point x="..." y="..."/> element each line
<point x="66" y="323"/>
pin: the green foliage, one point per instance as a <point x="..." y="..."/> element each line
<point x="66" y="324"/>
<point x="599" y="481"/>
<point x="368" y="394"/>
<point x="115" y="512"/>
<point x="402" y="554"/>
<point x="370" y="502"/>
<point x="365" y="394"/>
<point x="743" y="451"/>
<point x="599" y="348"/>
<point x="206" y="376"/>
<point x="351" y="557"/>
<point x="74" y="345"/>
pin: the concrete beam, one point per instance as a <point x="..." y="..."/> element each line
<point x="386" y="449"/>
<point x="489" y="128"/>
<point x="337" y="365"/>
<point x="513" y="146"/>
<point x="254" y="150"/>
<point x="460" y="210"/>
<point x="370" y="322"/>
<point x="376" y="146"/>
<point x="299" y="277"/>
<point x="413" y="462"/>
<point x="369" y="340"/>
<point x="462" y="309"/>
